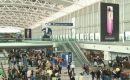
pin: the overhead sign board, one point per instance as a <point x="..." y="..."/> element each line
<point x="59" y="24"/>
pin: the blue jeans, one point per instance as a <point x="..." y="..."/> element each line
<point x="107" y="77"/>
<point x="124" y="78"/>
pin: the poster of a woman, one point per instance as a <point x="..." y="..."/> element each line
<point x="28" y="32"/>
<point x="109" y="20"/>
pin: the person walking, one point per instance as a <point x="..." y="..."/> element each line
<point x="98" y="74"/>
<point x="60" y="68"/>
<point x="93" y="75"/>
<point x="70" y="74"/>
<point x="72" y="77"/>
<point x="72" y="66"/>
<point x="68" y="67"/>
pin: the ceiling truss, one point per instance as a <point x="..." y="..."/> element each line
<point x="25" y="13"/>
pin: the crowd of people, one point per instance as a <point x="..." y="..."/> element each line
<point x="120" y="62"/>
<point x="32" y="65"/>
<point x="97" y="61"/>
<point x="115" y="71"/>
<point x="109" y="74"/>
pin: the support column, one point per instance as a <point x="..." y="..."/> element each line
<point x="55" y="48"/>
<point x="107" y="55"/>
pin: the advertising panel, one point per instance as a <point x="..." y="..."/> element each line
<point x="109" y="22"/>
<point x="47" y="32"/>
<point x="28" y="33"/>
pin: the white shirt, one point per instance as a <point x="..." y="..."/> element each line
<point x="72" y="66"/>
<point x="46" y="29"/>
<point x="29" y="73"/>
<point x="49" y="72"/>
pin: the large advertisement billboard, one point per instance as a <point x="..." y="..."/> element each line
<point x="109" y="22"/>
<point x="47" y="32"/>
<point x="28" y="33"/>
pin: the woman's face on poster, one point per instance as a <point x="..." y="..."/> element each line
<point x="110" y="12"/>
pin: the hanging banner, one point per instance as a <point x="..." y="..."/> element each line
<point x="109" y="22"/>
<point x="28" y="33"/>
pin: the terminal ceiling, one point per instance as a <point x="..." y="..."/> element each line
<point x="25" y="13"/>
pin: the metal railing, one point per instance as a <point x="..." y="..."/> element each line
<point x="77" y="52"/>
<point x="77" y="46"/>
<point x="75" y="57"/>
<point x="5" y="53"/>
<point x="61" y="40"/>
<point x="3" y="71"/>
<point x="72" y="46"/>
<point x="15" y="39"/>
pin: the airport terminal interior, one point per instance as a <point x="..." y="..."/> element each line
<point x="64" y="40"/>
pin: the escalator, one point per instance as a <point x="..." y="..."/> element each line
<point x="75" y="57"/>
<point x="5" y="53"/>
<point x="3" y="63"/>
<point x="2" y="71"/>
<point x="78" y="52"/>
<point x="78" y="56"/>
<point x="77" y="47"/>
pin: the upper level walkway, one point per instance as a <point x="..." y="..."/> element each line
<point x="96" y="45"/>
<point x="26" y="44"/>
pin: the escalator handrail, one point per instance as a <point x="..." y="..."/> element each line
<point x="66" y="49"/>
<point x="81" y="53"/>
<point x="4" y="51"/>
<point x="76" y="52"/>
<point x="76" y="44"/>
<point x="83" y="61"/>
<point x="3" y="70"/>
<point x="72" y="50"/>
